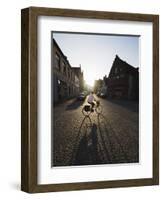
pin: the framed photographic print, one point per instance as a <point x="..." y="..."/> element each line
<point x="90" y="99"/>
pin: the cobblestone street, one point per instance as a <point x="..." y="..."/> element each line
<point x="109" y="137"/>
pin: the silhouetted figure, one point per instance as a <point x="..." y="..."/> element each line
<point x="91" y="100"/>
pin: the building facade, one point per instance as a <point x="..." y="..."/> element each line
<point x="79" y="74"/>
<point x="123" y="80"/>
<point x="65" y="82"/>
<point x="100" y="86"/>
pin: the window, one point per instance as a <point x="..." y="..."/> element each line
<point x="57" y="63"/>
<point x="116" y="70"/>
<point x="64" y="69"/>
<point x="68" y="72"/>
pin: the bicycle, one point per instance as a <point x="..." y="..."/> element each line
<point x="87" y="109"/>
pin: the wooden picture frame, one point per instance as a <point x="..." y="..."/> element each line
<point x="29" y="112"/>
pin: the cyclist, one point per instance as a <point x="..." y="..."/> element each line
<point x="91" y="100"/>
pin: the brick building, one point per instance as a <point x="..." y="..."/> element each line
<point x="65" y="82"/>
<point x="123" y="80"/>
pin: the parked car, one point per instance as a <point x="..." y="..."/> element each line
<point x="102" y="95"/>
<point x="81" y="96"/>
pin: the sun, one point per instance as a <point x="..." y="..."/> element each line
<point x="90" y="81"/>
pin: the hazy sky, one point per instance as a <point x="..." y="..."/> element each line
<point x="96" y="53"/>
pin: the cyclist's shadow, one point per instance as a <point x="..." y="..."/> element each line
<point x="85" y="149"/>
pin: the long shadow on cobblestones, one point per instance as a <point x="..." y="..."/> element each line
<point x="85" y="151"/>
<point x="82" y="129"/>
<point x="98" y="143"/>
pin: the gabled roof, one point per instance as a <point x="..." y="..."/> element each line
<point x="59" y="49"/>
<point x="118" y="62"/>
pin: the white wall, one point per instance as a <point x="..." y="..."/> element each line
<point x="10" y="98"/>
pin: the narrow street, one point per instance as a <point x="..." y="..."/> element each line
<point x="109" y="137"/>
